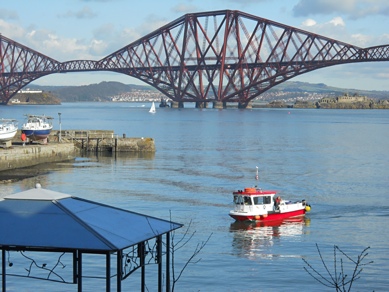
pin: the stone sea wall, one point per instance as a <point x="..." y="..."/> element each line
<point x="19" y="156"/>
<point x="118" y="145"/>
<point x="66" y="147"/>
<point x="103" y="140"/>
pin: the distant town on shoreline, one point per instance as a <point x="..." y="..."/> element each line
<point x="288" y="94"/>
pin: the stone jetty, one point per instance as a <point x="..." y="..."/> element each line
<point x="102" y="141"/>
<point x="66" y="145"/>
<point x="19" y="156"/>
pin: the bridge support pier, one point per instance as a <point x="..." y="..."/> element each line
<point x="248" y="105"/>
<point x="219" y="104"/>
<point x="201" y="104"/>
<point x="175" y="104"/>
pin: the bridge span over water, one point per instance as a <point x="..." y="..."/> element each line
<point x="218" y="57"/>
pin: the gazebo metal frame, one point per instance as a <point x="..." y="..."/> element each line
<point x="31" y="219"/>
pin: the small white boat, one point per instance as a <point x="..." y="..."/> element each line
<point x="37" y="127"/>
<point x="8" y="129"/>
<point x="152" y="109"/>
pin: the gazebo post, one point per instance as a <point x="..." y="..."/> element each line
<point x="108" y="272"/>
<point x="159" y="258"/>
<point x="119" y="271"/>
<point x="141" y="251"/>
<point x="3" y="271"/>
<point x="79" y="271"/>
<point x="75" y="273"/>
<point x="168" y="262"/>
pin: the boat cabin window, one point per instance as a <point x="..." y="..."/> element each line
<point x="267" y="200"/>
<point x="242" y="200"/>
<point x="262" y="200"/>
<point x="247" y="200"/>
<point x="238" y="200"/>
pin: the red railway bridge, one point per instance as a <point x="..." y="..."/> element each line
<point x="219" y="57"/>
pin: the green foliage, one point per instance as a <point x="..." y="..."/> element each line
<point x="92" y="92"/>
<point x="37" y="98"/>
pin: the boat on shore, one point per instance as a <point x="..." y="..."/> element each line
<point x="8" y="129"/>
<point x="37" y="127"/>
<point x="254" y="204"/>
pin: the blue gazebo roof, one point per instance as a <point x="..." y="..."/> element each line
<point x="48" y="220"/>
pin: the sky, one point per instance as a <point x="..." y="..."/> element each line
<point x="92" y="29"/>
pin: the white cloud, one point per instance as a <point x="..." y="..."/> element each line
<point x="68" y="49"/>
<point x="361" y="40"/>
<point x="334" y="28"/>
<point x="383" y="39"/>
<point x="184" y="8"/>
<point x="337" y="21"/>
<point x="31" y="34"/>
<point x="10" y="30"/>
<point x="98" y="47"/>
<point x="56" y="47"/>
<point x="309" y="22"/>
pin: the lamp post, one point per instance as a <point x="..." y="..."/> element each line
<point x="60" y="129"/>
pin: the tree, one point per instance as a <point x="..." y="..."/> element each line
<point x="339" y="279"/>
<point x="179" y="244"/>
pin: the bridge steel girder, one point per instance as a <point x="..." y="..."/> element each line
<point x="222" y="56"/>
<point x="230" y="56"/>
<point x="19" y="65"/>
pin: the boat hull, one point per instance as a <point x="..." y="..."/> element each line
<point x="7" y="135"/>
<point x="267" y="217"/>
<point x="37" y="134"/>
<point x="8" y="129"/>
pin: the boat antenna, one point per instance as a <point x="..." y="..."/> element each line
<point x="257" y="176"/>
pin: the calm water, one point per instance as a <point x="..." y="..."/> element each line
<point x="335" y="159"/>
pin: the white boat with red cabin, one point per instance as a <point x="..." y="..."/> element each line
<point x="254" y="204"/>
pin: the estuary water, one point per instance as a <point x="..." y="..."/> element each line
<point x="337" y="160"/>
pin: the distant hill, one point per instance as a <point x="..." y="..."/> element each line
<point x="35" y="98"/>
<point x="287" y="91"/>
<point x="296" y="86"/>
<point x="93" y="92"/>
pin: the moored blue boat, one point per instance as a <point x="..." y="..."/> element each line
<point x="37" y="127"/>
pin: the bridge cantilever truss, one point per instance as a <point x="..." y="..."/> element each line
<point x="220" y="56"/>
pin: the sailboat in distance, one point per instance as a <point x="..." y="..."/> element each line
<point x="152" y="109"/>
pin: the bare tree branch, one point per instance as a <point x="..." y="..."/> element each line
<point x="340" y="281"/>
<point x="179" y="244"/>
